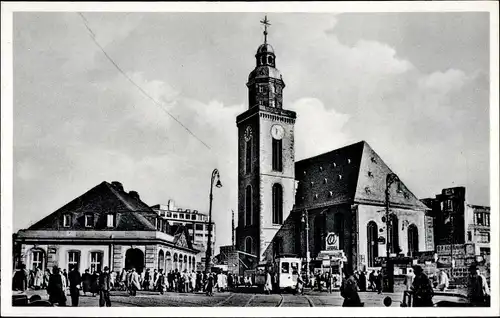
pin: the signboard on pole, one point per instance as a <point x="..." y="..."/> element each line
<point x="332" y="242"/>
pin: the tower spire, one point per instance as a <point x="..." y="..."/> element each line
<point x="266" y="23"/>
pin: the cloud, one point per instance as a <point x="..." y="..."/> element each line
<point x="78" y="121"/>
<point x="317" y="129"/>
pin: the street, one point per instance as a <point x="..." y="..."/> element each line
<point x="228" y="299"/>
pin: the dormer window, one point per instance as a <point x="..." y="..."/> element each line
<point x="89" y="220"/>
<point x="66" y="220"/>
<point x="110" y="220"/>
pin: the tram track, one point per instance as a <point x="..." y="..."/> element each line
<point x="282" y="300"/>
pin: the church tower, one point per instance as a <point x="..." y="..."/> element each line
<point x="266" y="152"/>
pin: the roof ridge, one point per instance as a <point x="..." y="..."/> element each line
<point x="115" y="192"/>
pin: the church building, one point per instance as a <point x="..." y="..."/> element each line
<point x="342" y="191"/>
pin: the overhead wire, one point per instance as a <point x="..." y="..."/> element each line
<point x="93" y="36"/>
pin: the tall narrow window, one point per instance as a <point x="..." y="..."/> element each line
<point x="110" y="220"/>
<point x="338" y="222"/>
<point x="372" y="233"/>
<point x="66" y="220"/>
<point x="277" y="155"/>
<point x="248" y="245"/>
<point x="412" y="239"/>
<point x="277" y="204"/>
<point x="248" y="156"/>
<point x="248" y="206"/>
<point x="89" y="220"/>
<point x="95" y="261"/>
<point x="74" y="259"/>
<point x="394" y="234"/>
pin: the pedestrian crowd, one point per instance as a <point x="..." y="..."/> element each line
<point x="59" y="283"/>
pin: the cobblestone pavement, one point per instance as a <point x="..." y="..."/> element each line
<point x="226" y="299"/>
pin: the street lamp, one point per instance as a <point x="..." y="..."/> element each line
<point x="218" y="184"/>
<point x="305" y="219"/>
<point x="390" y="179"/>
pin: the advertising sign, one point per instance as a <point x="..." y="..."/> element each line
<point x="332" y="242"/>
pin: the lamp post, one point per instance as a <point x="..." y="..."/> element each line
<point x="390" y="179"/>
<point x="215" y="175"/>
<point x="305" y="219"/>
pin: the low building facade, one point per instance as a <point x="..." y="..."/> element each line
<point x="105" y="226"/>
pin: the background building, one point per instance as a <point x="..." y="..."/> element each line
<point x="195" y="222"/>
<point x="478" y="229"/>
<point x="105" y="226"/>
<point x="448" y="210"/>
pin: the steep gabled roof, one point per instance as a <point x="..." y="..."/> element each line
<point x="348" y="175"/>
<point x="371" y="183"/>
<point x="131" y="213"/>
<point x="329" y="178"/>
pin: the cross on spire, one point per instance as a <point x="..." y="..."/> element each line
<point x="265" y="22"/>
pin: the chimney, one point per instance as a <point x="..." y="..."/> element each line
<point x="134" y="195"/>
<point x="117" y="185"/>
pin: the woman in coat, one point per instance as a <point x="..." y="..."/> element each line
<point x="38" y="278"/>
<point x="268" y="286"/>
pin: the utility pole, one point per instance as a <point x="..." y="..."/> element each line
<point x="232" y="228"/>
<point x="390" y="179"/>
<point x="305" y="219"/>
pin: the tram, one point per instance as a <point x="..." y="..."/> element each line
<point x="286" y="269"/>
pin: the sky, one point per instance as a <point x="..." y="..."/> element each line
<point x="415" y="86"/>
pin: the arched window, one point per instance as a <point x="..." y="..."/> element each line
<point x="277" y="204"/>
<point x="412" y="239"/>
<point x="168" y="261"/>
<point x="248" y="245"/>
<point x="248" y="155"/>
<point x="393" y="234"/>
<point x="248" y="206"/>
<point x="319" y="233"/>
<point x="338" y="223"/>
<point x="277" y="156"/>
<point x="161" y="260"/>
<point x="270" y="59"/>
<point x="372" y="234"/>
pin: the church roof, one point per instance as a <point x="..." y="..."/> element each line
<point x="348" y="175"/>
<point x="130" y="212"/>
<point x="265" y="48"/>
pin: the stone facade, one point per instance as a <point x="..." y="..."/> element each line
<point x="256" y="174"/>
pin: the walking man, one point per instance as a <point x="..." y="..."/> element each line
<point x="104" y="288"/>
<point x="422" y="288"/>
<point x="75" y="280"/>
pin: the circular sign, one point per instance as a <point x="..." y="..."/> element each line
<point x="383" y="219"/>
<point x="331" y="239"/>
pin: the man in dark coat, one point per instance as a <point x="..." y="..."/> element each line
<point x="362" y="281"/>
<point x="55" y="288"/>
<point x="87" y="282"/>
<point x="104" y="288"/>
<point x="422" y="288"/>
<point x="349" y="290"/>
<point x="75" y="279"/>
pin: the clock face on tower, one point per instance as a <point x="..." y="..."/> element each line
<point x="248" y="133"/>
<point x="277" y="131"/>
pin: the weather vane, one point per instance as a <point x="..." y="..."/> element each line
<point x="265" y="22"/>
